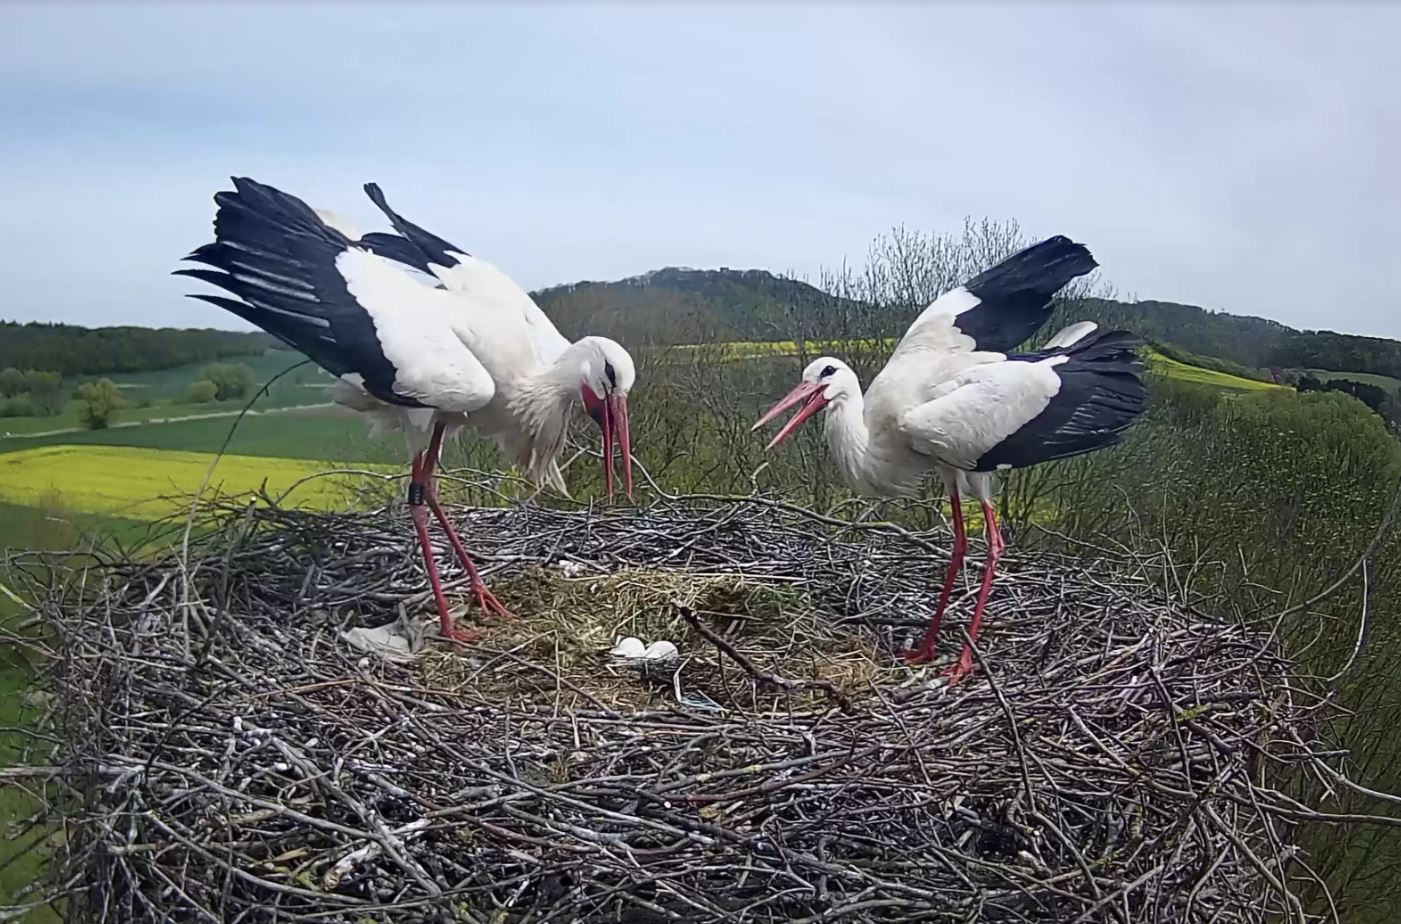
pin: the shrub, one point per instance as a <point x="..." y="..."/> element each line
<point x="231" y="380"/>
<point x="45" y="391"/>
<point x="19" y="406"/>
<point x="203" y="392"/>
<point x="11" y="382"/>
<point x="101" y="402"/>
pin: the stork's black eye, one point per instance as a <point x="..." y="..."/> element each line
<point x="610" y="373"/>
<point x="830" y="370"/>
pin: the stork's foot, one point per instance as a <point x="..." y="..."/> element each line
<point x="921" y="655"/>
<point x="960" y="668"/>
<point x="487" y="601"/>
<point x="455" y="633"/>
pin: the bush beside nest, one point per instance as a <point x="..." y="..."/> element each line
<point x="222" y="754"/>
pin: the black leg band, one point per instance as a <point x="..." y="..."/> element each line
<point x="416" y="494"/>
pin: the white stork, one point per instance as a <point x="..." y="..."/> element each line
<point x="422" y="336"/>
<point x="953" y="398"/>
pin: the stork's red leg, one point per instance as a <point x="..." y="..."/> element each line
<point x="485" y="598"/>
<point x="417" y="491"/>
<point x="925" y="651"/>
<point x="964" y="665"/>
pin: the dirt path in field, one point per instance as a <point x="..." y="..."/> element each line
<point x="169" y="420"/>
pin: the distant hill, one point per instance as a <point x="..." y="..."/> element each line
<point x="71" y="350"/>
<point x="680" y="304"/>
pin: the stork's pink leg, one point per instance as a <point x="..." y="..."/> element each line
<point x="485" y="598"/>
<point x="417" y="490"/>
<point x="964" y="665"/>
<point x="925" y="651"/>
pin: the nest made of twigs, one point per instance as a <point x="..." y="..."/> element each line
<point x="221" y="754"/>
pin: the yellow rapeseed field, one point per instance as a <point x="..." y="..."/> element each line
<point x="145" y="484"/>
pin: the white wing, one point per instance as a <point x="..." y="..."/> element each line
<point x="932" y="350"/>
<point x="978" y="322"/>
<point x="433" y="363"/>
<point x="514" y="335"/>
<point x="503" y="314"/>
<point x="979" y="408"/>
<point x="357" y="315"/>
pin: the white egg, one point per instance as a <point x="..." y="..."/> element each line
<point x="660" y="651"/>
<point x="628" y="648"/>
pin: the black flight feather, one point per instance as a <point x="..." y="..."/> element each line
<point x="275" y="254"/>
<point x="1014" y="297"/>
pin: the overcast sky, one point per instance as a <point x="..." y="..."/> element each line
<point x="1242" y="158"/>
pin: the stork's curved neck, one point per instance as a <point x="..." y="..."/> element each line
<point x="848" y="436"/>
<point x="540" y="404"/>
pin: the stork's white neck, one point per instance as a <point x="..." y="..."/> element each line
<point x="541" y="404"/>
<point x="848" y="437"/>
<point x="872" y="467"/>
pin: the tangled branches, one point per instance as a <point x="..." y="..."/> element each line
<point x="224" y="755"/>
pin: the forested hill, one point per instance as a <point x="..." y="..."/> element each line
<point x="72" y="350"/>
<point x="681" y="304"/>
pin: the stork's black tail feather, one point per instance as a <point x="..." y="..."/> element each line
<point x="1101" y="395"/>
<point x="1105" y="351"/>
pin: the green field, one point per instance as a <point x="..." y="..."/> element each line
<point x="164" y="393"/>
<point x="146" y="484"/>
<point x="319" y="434"/>
<point x="1367" y="378"/>
<point x="1223" y="381"/>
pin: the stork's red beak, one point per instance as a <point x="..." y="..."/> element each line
<point x="615" y="416"/>
<point x="809" y="394"/>
<point x="611" y="415"/>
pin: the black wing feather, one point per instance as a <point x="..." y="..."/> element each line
<point x="432" y="249"/>
<point x="278" y="257"/>
<point x="1014" y="297"/>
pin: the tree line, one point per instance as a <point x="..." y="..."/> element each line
<point x="1323" y="349"/>
<point x="71" y="350"/>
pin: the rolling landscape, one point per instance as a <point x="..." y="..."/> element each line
<point x="777" y="596"/>
<point x="1259" y="462"/>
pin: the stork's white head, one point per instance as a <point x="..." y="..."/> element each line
<point x="826" y="380"/>
<point x="607" y="375"/>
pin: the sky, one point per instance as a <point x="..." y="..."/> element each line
<point x="1243" y="157"/>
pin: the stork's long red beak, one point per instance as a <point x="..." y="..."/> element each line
<point x="611" y="415"/>
<point x="615" y="420"/>
<point x="809" y="394"/>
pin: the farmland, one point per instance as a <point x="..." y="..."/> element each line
<point x="120" y="471"/>
<point x="164" y="394"/>
<point x="1366" y="378"/>
<point x="143" y="484"/>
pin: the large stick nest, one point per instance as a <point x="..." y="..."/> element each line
<point x="225" y="755"/>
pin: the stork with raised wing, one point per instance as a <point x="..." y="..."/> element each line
<point x="423" y="337"/>
<point x="955" y="399"/>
